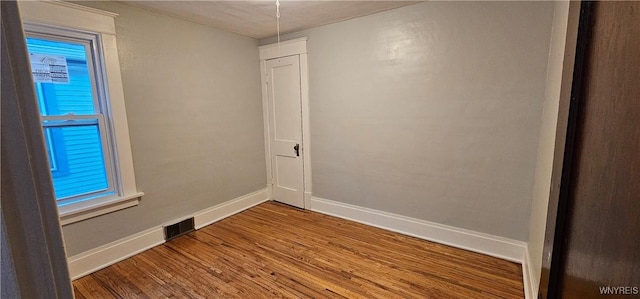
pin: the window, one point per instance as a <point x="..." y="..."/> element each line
<point x="77" y="81"/>
<point x="72" y="113"/>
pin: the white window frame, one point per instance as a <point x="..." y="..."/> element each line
<point x="52" y="17"/>
<point x="91" y="43"/>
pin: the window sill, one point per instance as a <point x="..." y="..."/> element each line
<point x="92" y="208"/>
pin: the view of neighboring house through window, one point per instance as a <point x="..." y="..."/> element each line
<point x="67" y="86"/>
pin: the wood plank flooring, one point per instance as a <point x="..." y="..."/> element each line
<point x="276" y="251"/>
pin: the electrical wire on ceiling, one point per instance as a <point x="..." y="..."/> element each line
<point x="278" y="21"/>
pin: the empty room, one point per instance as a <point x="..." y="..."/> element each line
<point x="320" y="149"/>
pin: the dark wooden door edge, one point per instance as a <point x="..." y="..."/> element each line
<point x="559" y="238"/>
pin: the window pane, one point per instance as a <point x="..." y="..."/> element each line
<point x="76" y="152"/>
<point x="60" y="98"/>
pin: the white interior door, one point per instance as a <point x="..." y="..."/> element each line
<point x="285" y="127"/>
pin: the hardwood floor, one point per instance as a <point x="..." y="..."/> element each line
<point x="276" y="251"/>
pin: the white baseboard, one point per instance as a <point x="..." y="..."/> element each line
<point x="500" y="247"/>
<point x="528" y="277"/>
<point x="307" y="200"/>
<point x="226" y="209"/>
<point x="95" y="259"/>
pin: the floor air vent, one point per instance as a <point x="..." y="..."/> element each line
<point x="178" y="229"/>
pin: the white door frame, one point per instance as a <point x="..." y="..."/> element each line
<point x="288" y="48"/>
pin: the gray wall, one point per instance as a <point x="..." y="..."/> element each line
<point x="431" y="111"/>
<point x="194" y="109"/>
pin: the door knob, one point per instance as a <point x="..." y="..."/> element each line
<point x="297" y="149"/>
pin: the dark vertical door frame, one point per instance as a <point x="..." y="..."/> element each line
<point x="29" y="210"/>
<point x="560" y="233"/>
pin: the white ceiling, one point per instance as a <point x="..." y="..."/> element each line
<point x="257" y="19"/>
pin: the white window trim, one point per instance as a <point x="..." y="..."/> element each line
<point x="69" y="15"/>
<point x="92" y="44"/>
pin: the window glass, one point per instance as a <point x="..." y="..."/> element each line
<point x="71" y="119"/>
<point x="76" y="96"/>
<point x="78" y="159"/>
